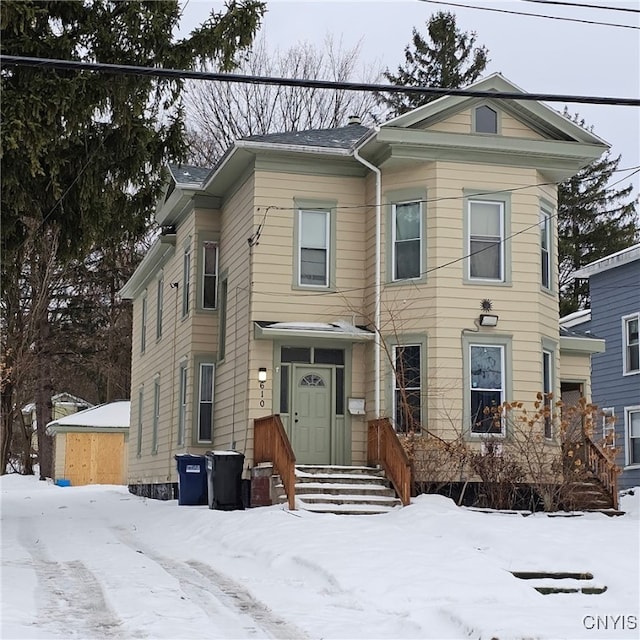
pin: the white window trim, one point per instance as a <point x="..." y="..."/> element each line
<point x="503" y="390"/>
<point x="627" y="436"/>
<point x="501" y="204"/>
<point x="609" y="427"/>
<point x="205" y="274"/>
<point x="140" y="420"/>
<point x="625" y="344"/>
<point x="393" y="241"/>
<point x="395" y="378"/>
<point x="327" y="221"/>
<point x="200" y="401"/>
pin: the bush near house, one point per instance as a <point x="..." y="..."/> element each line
<point x="539" y="465"/>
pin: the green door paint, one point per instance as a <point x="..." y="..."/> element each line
<point x="311" y="429"/>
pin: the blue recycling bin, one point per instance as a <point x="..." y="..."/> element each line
<point x="192" y="479"/>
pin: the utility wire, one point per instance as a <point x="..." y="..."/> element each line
<point x="533" y="15"/>
<point x="584" y="6"/>
<point x="179" y="74"/>
<point x="440" y="266"/>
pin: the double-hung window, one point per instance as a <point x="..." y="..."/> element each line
<point x="182" y="403"/>
<point x="632" y="426"/>
<point x="209" y="275"/>
<point x="313" y="248"/>
<point x="159" y="307"/>
<point x="407" y="387"/>
<point x="545" y="250"/>
<point x="205" y="402"/>
<point x="143" y="324"/>
<point x="487" y="388"/>
<point x="140" y="420"/>
<point x="547" y="390"/>
<point x="486" y="240"/>
<point x="407" y="240"/>
<point x="156" y="415"/>
<point x="186" y="279"/>
<point x="631" y="344"/>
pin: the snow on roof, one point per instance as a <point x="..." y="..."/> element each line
<point x="113" y="415"/>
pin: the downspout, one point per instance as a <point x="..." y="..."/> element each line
<point x="378" y="287"/>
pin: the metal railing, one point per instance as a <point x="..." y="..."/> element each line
<point x="271" y="444"/>
<point x="384" y="448"/>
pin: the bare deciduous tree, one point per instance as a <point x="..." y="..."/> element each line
<point x="218" y="113"/>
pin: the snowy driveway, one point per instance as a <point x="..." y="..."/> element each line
<point x="98" y="562"/>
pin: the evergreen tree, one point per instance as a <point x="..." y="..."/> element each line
<point x="82" y="153"/>
<point x="595" y="219"/>
<point x="448" y="58"/>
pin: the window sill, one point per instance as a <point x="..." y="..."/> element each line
<point x="313" y="288"/>
<point x="486" y="283"/>
<point x="406" y="282"/>
<point x="630" y="373"/>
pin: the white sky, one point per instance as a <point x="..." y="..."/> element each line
<point x="539" y="55"/>
<point x="96" y="563"/>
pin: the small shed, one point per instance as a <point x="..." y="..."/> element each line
<point x="90" y="447"/>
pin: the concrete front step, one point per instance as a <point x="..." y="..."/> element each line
<point x="342" y="490"/>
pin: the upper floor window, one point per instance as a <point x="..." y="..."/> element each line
<point x="407" y="387"/>
<point x="209" y="275"/>
<point x="486" y="120"/>
<point x="545" y="250"/>
<point x="313" y="248"/>
<point x="205" y="402"/>
<point x="630" y="344"/>
<point x="159" y="307"/>
<point x="487" y="388"/>
<point x="186" y="280"/>
<point x="407" y="240"/>
<point x="143" y="325"/>
<point x="486" y="240"/>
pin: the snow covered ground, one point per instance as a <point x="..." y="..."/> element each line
<point x="98" y="562"/>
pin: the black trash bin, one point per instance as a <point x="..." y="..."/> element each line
<point x="192" y="479"/>
<point x="224" y="479"/>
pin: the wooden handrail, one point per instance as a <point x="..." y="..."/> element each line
<point x="384" y="448"/>
<point x="271" y="444"/>
<point x="602" y="468"/>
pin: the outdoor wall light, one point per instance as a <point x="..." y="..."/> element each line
<point x="488" y="320"/>
<point x="262" y="374"/>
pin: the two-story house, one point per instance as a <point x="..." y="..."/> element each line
<point x="614" y="289"/>
<point x="338" y="276"/>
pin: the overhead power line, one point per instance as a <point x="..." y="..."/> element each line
<point x="584" y="6"/>
<point x="533" y="15"/>
<point x="181" y="74"/>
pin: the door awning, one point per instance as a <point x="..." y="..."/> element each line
<point x="315" y="330"/>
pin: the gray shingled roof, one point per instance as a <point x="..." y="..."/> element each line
<point x="576" y="333"/>
<point x="188" y="174"/>
<point x="336" y="138"/>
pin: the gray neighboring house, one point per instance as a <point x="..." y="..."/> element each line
<point x="614" y="286"/>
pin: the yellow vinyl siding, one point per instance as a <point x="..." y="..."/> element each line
<point x="576" y="367"/>
<point x="509" y="126"/>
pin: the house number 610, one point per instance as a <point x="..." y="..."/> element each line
<point x="262" y="395"/>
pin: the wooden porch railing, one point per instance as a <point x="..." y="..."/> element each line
<point x="384" y="448"/>
<point x="602" y="468"/>
<point x="271" y="444"/>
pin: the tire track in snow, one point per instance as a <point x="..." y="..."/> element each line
<point x="204" y="585"/>
<point x="71" y="599"/>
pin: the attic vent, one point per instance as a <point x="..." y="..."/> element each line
<point x="354" y="120"/>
